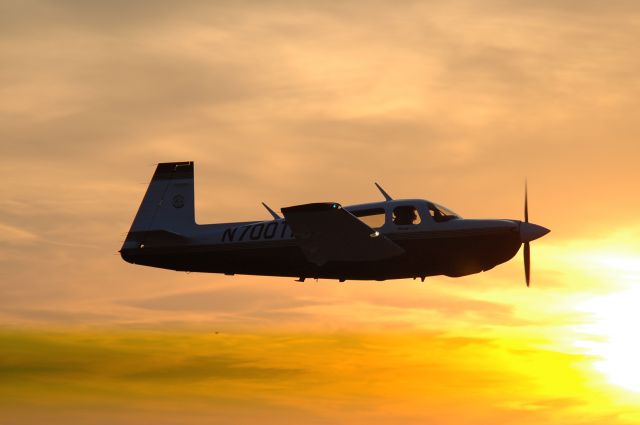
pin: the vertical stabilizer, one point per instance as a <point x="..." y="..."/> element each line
<point x="168" y="204"/>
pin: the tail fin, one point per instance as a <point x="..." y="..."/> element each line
<point x="169" y="202"/>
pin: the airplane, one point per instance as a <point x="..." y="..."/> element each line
<point x="390" y="239"/>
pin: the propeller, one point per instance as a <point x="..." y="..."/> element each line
<point x="528" y="233"/>
<point x="527" y="248"/>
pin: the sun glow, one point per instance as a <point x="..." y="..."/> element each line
<point x="613" y="336"/>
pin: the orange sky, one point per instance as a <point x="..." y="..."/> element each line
<point x="293" y="102"/>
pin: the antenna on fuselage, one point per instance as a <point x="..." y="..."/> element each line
<point x="272" y="212"/>
<point x="385" y="194"/>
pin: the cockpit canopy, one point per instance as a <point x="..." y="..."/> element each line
<point x="402" y="213"/>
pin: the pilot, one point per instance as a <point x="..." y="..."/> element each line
<point x="437" y="215"/>
<point x="404" y="215"/>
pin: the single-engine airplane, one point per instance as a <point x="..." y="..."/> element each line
<point x="391" y="239"/>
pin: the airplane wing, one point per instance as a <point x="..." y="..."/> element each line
<point x="327" y="232"/>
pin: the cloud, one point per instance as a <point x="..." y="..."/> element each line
<point x="212" y="367"/>
<point x="377" y="378"/>
<point x="11" y="234"/>
<point x="227" y="300"/>
<point x="448" y="305"/>
<point x="58" y="317"/>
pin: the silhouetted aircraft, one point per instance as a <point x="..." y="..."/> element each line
<point x="391" y="239"/>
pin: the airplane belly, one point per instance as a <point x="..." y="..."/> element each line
<point x="459" y="253"/>
<point x="429" y="254"/>
<point x="285" y="260"/>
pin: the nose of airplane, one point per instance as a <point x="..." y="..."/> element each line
<point x="530" y="232"/>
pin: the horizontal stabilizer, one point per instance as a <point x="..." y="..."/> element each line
<point x="157" y="238"/>
<point x="327" y="232"/>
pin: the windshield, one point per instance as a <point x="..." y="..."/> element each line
<point x="440" y="213"/>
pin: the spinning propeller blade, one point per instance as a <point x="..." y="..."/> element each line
<point x="527" y="263"/>
<point x="526" y="203"/>
<point x="528" y="233"/>
<point x="527" y="249"/>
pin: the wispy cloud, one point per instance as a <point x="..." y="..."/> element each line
<point x="11" y="234"/>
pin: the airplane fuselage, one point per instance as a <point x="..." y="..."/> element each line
<point x="454" y="248"/>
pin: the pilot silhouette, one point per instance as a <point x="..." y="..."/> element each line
<point x="404" y="215"/>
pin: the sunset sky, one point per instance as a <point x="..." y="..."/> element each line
<point x="290" y="102"/>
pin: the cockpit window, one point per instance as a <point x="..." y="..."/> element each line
<point x="372" y="217"/>
<point x="441" y="214"/>
<point x="405" y="215"/>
